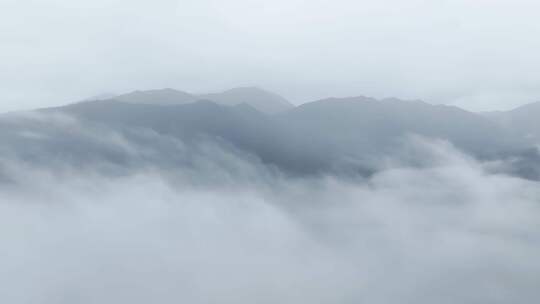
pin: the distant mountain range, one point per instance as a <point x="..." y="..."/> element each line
<point x="524" y="120"/>
<point x="260" y="99"/>
<point x="344" y="136"/>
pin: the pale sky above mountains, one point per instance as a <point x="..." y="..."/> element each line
<point x="479" y="55"/>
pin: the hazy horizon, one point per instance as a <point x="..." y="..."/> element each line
<point x="113" y="95"/>
<point x="479" y="55"/>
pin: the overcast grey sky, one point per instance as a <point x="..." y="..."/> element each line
<point x="478" y="54"/>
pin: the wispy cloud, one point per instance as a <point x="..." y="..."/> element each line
<point x="446" y="232"/>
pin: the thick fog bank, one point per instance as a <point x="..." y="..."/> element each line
<point x="226" y="229"/>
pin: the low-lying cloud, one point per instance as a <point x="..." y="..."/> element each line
<point x="446" y="231"/>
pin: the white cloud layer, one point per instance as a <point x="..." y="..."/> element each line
<point x="447" y="233"/>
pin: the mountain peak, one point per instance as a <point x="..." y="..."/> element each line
<point x="535" y="106"/>
<point x="258" y="98"/>
<point x="165" y="96"/>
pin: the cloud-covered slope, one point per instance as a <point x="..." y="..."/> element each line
<point x="352" y="136"/>
<point x="524" y="120"/>
<point x="220" y="227"/>
<point x="336" y="201"/>
<point x="374" y="125"/>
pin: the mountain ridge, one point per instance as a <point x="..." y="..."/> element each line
<point x="260" y="99"/>
<point x="350" y="136"/>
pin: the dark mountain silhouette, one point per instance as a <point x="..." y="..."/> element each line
<point x="373" y="124"/>
<point x="345" y="136"/>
